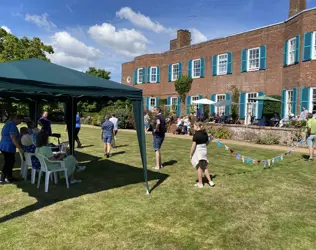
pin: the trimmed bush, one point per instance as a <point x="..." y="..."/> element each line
<point x="221" y="133"/>
<point x="268" y="139"/>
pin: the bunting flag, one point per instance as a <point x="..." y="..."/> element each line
<point x="231" y="152"/>
<point x="268" y="162"/>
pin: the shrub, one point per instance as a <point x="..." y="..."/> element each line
<point x="268" y="139"/>
<point x="298" y="124"/>
<point x="221" y="133"/>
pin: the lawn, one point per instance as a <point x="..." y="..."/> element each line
<point x="250" y="207"/>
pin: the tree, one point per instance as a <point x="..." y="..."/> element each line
<point x="183" y="87"/>
<point x="99" y="73"/>
<point x="14" y="48"/>
<point x="235" y="98"/>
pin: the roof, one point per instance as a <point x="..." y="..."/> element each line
<point x="33" y="76"/>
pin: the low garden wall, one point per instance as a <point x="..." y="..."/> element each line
<point x="285" y="136"/>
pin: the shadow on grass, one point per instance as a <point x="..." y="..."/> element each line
<point x="86" y="146"/>
<point x="169" y="163"/>
<point x="121" y="146"/>
<point x="100" y="175"/>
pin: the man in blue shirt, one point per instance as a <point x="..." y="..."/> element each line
<point x="78" y="126"/>
<point x="107" y="135"/>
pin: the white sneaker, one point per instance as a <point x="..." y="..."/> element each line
<point x="80" y="169"/>
<point x="74" y="181"/>
<point x="212" y="184"/>
<point x="198" y="185"/>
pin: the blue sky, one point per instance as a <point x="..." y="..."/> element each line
<point x="105" y="34"/>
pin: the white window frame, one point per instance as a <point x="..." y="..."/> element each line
<point x="139" y="81"/>
<point x="195" y="98"/>
<point x="176" y="102"/>
<point x="311" y="105"/>
<point x="288" y="51"/>
<point x="151" y="68"/>
<point x="221" y="107"/>
<point x="172" y="78"/>
<point x="150" y="106"/>
<point x="218" y="60"/>
<point x="248" y="59"/>
<point x="288" y="104"/>
<point x="193" y="71"/>
<point x="314" y="46"/>
<point x="246" y="106"/>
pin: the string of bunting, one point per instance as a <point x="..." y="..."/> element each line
<point x="248" y="160"/>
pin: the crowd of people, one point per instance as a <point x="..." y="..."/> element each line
<point x="31" y="139"/>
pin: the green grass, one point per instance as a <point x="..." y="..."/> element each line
<point x="250" y="207"/>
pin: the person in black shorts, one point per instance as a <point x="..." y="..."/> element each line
<point x="198" y="154"/>
<point x="159" y="131"/>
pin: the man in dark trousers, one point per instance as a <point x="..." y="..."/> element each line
<point x="159" y="131"/>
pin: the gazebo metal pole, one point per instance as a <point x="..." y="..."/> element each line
<point x="72" y="125"/>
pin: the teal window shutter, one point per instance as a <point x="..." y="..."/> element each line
<point x="180" y="70"/>
<point x="307" y="51"/>
<point x="297" y="49"/>
<point x="157" y="102"/>
<point x="148" y="104"/>
<point x="135" y="76"/>
<point x="283" y="105"/>
<point x="148" y="74"/>
<point x="294" y="101"/>
<point x="260" y="106"/>
<point x="305" y="98"/>
<point x="227" y="108"/>
<point x="201" y="105"/>
<point x="169" y="72"/>
<point x="285" y="53"/>
<point x="178" y="106"/>
<point x="188" y="104"/>
<point x="242" y="106"/>
<point x="202" y="67"/>
<point x="243" y="65"/>
<point x="168" y="101"/>
<point x="214" y="65"/>
<point x="144" y="75"/>
<point x="229" y="63"/>
<point x="158" y="74"/>
<point x="263" y="57"/>
<point x="190" y="68"/>
<point x="212" y="107"/>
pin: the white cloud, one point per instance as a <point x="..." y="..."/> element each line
<point x="140" y="20"/>
<point x="6" y="29"/>
<point x="126" y="42"/>
<point x="197" y="36"/>
<point x="41" y="21"/>
<point x="71" y="52"/>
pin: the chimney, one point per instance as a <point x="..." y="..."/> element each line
<point x="183" y="39"/>
<point x="296" y="6"/>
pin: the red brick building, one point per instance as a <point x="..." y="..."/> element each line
<point x="279" y="59"/>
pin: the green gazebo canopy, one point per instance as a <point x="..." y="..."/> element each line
<point x="264" y="98"/>
<point x="33" y="80"/>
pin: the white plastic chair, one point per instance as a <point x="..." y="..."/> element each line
<point x="62" y="148"/>
<point x="42" y="159"/>
<point x="23" y="166"/>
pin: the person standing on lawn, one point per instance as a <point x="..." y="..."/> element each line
<point x="107" y="135"/>
<point x="311" y="135"/>
<point x="198" y="154"/>
<point x="45" y="123"/>
<point x="77" y="130"/>
<point x="159" y="131"/>
<point x="114" y="120"/>
<point x="8" y="145"/>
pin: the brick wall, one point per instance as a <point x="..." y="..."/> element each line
<point x="271" y="81"/>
